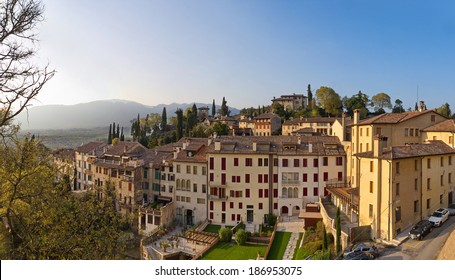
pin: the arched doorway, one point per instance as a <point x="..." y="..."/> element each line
<point x="284" y="210"/>
<point x="189" y="218"/>
<point x="295" y="211"/>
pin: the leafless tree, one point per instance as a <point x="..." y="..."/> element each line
<point x="20" y="79"/>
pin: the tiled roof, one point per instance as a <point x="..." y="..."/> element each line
<point x="311" y="120"/>
<point x="281" y="145"/>
<point x="122" y="148"/>
<point x="266" y="116"/>
<point x="432" y="148"/>
<point x="65" y="154"/>
<point x="90" y="147"/>
<point x="394" y="118"/>
<point x="444" y="126"/>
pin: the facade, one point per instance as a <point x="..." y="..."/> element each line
<point x="292" y="102"/>
<point x="401" y="185"/>
<point x="444" y="131"/>
<point x="266" y="124"/>
<point x="320" y="125"/>
<point x="65" y="159"/>
<point x="253" y="177"/>
<point x="84" y="157"/>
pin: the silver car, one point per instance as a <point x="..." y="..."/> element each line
<point x="451" y="209"/>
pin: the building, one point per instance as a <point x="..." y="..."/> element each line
<point x="320" y="125"/>
<point x="400" y="185"/>
<point x="84" y="157"/>
<point x="253" y="177"/>
<point x="444" y="131"/>
<point x="292" y="102"/>
<point x="266" y="124"/>
<point x="65" y="159"/>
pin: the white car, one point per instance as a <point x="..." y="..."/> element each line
<point x="439" y="217"/>
<point x="451" y="209"/>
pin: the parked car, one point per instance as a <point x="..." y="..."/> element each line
<point x="420" y="229"/>
<point x="451" y="209"/>
<point x="371" y="250"/>
<point x="359" y="256"/>
<point x="439" y="217"/>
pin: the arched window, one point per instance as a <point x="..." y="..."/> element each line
<point x="284" y="192"/>
<point x="188" y="185"/>
<point x="296" y="192"/>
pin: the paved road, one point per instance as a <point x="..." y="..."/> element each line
<point x="426" y="249"/>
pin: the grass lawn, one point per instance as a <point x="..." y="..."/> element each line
<point x="212" y="228"/>
<point x="232" y="251"/>
<point x="279" y="245"/>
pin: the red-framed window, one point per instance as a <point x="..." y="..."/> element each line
<point x="284" y="162"/>
<point x="275" y="178"/>
<point x="315" y="162"/>
<point x="260" y="205"/>
<point x="315" y="177"/>
<point x="223" y="179"/>
<point x="236" y="161"/>
<point x="223" y="163"/>
<point x="339" y="161"/>
<point x="305" y="162"/>
<point x="296" y="162"/>
<point x="247" y="178"/>
<point x="211" y="177"/>
<point x="315" y="191"/>
<point x="211" y="205"/>
<point x="340" y="176"/>
<point x="211" y="215"/>
<point x="259" y="178"/>
<point x="260" y="193"/>
<point x="248" y="162"/>
<point x="223" y="206"/>
<point x="231" y="205"/>
<point x="305" y="177"/>
<point x="240" y="205"/>
<point x="275" y="192"/>
<point x="247" y="192"/>
<point x="305" y="191"/>
<point x="326" y="176"/>
<point x="266" y="193"/>
<point x="232" y="217"/>
<point x="212" y="163"/>
<point x="266" y="178"/>
<point x="325" y="161"/>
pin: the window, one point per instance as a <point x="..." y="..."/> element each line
<point x="232" y="217"/>
<point x="259" y="178"/>
<point x="188" y="169"/>
<point x="236" y="161"/>
<point x="406" y="132"/>
<point x="305" y="162"/>
<point x="247" y="192"/>
<point x="194" y="187"/>
<point x="326" y="176"/>
<point x="212" y="163"/>
<point x="371" y="166"/>
<point x="275" y="192"/>
<point x="450" y="177"/>
<point x="266" y="193"/>
<point x="433" y="118"/>
<point x="416" y="184"/>
<point x="416" y="166"/>
<point x="397" y="189"/>
<point x="428" y="184"/>
<point x="211" y="177"/>
<point x="340" y="176"/>
<point x="248" y="162"/>
<point x="370" y="212"/>
<point x="378" y="130"/>
<point x="368" y="147"/>
<point x="361" y="130"/>
<point x="450" y="139"/>
<point x="195" y="170"/>
<point x="325" y="161"/>
<point x="315" y="177"/>
<point x="275" y="205"/>
<point x="231" y="205"/>
<point x="416" y="206"/>
<point x="428" y="203"/>
<point x="442" y="180"/>
<point x="275" y="162"/>
<point x="296" y="162"/>
<point x="305" y="177"/>
<point x="368" y="131"/>
<point x="204" y="170"/>
<point x="223" y="206"/>
<point x="223" y="163"/>
<point x="260" y="205"/>
<point x="204" y="188"/>
<point x="266" y="162"/>
<point x="247" y="178"/>
<point x="266" y="178"/>
<point x="275" y="178"/>
<point x="441" y="199"/>
<point x="397" y="168"/>
<point x="259" y="161"/>
<point x="290" y="177"/>
<point x="339" y="161"/>
<point x="284" y="162"/>
<point x="315" y="191"/>
<point x="305" y="191"/>
<point x="411" y="132"/>
<point x="223" y="179"/>
<point x="200" y="201"/>
<point x="371" y="186"/>
<point x="315" y="162"/>
<point x="398" y="214"/>
<point x="442" y="161"/>
<point x="240" y="205"/>
<point x="450" y="160"/>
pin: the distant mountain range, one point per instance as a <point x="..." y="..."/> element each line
<point x="95" y="114"/>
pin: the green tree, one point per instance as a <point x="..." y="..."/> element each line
<point x="164" y="119"/>
<point x="122" y="136"/>
<point x="220" y="128"/>
<point x="225" y="234"/>
<point x="445" y="110"/>
<point x="358" y="101"/>
<point x="398" y="107"/>
<point x="224" y="111"/>
<point x="179" y="129"/>
<point x="338" y="231"/>
<point x="324" y="240"/>
<point x="380" y="102"/>
<point x="310" y="97"/>
<point x="213" y="108"/>
<point x="109" y="137"/>
<point x="241" y="237"/>
<point x="329" y="100"/>
<point x="20" y="79"/>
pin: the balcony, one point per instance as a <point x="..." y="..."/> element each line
<point x="290" y="182"/>
<point x="126" y="178"/>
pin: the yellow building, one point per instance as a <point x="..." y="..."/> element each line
<point x="291" y="102"/>
<point x="444" y="131"/>
<point x="84" y="157"/>
<point x="401" y="185"/>
<point x="320" y="125"/>
<point x="266" y="124"/>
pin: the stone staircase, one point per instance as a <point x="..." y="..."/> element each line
<point x="290" y="248"/>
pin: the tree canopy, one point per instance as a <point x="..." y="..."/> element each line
<point x="329" y="100"/>
<point x="380" y="102"/>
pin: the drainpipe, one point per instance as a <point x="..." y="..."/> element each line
<point x="390" y="201"/>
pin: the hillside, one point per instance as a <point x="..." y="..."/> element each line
<point x="93" y="114"/>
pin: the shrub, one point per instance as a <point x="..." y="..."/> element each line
<point x="330" y="238"/>
<point x="241" y="237"/>
<point x="225" y="234"/>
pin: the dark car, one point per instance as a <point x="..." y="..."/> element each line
<point x="421" y="229"/>
<point x="359" y="256"/>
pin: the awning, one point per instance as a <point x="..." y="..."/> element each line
<point x="164" y="198"/>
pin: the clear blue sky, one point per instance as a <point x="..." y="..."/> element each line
<point x="248" y="51"/>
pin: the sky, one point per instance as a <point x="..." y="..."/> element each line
<point x="159" y="52"/>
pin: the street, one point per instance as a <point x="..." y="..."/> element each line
<point x="426" y="249"/>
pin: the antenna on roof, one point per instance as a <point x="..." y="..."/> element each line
<point x="417" y="93"/>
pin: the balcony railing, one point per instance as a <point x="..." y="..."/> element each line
<point x="290" y="182"/>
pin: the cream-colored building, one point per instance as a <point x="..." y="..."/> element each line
<point x="253" y="177"/>
<point x="292" y="102"/>
<point x="401" y="185"/>
<point x="266" y="124"/>
<point x="84" y="157"/>
<point x="65" y="160"/>
<point x="444" y="131"/>
<point x="320" y="125"/>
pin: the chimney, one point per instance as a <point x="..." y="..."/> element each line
<point x="255" y="146"/>
<point x="299" y="140"/>
<point x="217" y="145"/>
<point x="124" y="149"/>
<point x="310" y="148"/>
<point x="377" y="146"/>
<point x="356" y="116"/>
<point x="209" y="141"/>
<point x="422" y="106"/>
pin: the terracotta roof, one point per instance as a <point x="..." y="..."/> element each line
<point x="444" y="126"/>
<point x="198" y="157"/>
<point x="281" y="145"/>
<point x="122" y="148"/>
<point x="266" y="116"/>
<point x="310" y="215"/>
<point x="90" y="147"/>
<point x="432" y="148"/>
<point x="311" y="120"/>
<point x="394" y="118"/>
<point x="65" y="154"/>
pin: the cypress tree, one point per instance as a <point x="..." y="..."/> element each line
<point x="224" y="108"/>
<point x="213" y="108"/>
<point x="122" y="137"/>
<point x="117" y="134"/>
<point x="138" y="127"/>
<point x="179" y="132"/>
<point x="164" y="119"/>
<point x="109" y="137"/>
<point x="338" y="228"/>
<point x="324" y="240"/>
<point x="310" y="96"/>
<point x="416" y="108"/>
<point x="113" y="130"/>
